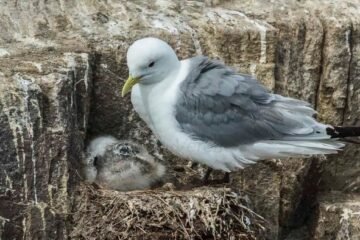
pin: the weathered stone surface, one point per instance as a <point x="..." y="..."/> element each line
<point x="44" y="109"/>
<point x="60" y="85"/>
<point x="337" y="217"/>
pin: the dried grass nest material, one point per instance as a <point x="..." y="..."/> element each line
<point x="202" y="213"/>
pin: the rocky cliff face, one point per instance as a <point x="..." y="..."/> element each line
<point x="61" y="65"/>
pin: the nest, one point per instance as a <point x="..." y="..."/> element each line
<point x="203" y="213"/>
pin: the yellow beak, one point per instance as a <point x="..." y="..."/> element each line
<point x="130" y="82"/>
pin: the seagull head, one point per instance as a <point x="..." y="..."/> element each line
<point x="150" y="60"/>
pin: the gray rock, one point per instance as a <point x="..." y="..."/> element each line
<point x="44" y="110"/>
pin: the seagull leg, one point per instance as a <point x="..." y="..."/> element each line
<point x="207" y="175"/>
<point x="226" y="178"/>
<point x="193" y="165"/>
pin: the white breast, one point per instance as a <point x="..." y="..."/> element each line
<point x="141" y="105"/>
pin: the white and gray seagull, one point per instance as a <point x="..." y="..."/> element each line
<point x="204" y="111"/>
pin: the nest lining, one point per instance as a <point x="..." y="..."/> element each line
<point x="202" y="213"/>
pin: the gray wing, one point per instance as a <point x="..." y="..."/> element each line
<point x="221" y="106"/>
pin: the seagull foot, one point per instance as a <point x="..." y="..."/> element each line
<point x="206" y="181"/>
<point x="193" y="165"/>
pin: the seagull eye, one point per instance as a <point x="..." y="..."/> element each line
<point x="151" y="64"/>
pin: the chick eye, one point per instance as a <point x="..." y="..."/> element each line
<point x="151" y="64"/>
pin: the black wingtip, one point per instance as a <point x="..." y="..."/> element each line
<point x="343" y="132"/>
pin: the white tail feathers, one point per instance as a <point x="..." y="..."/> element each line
<point x="284" y="149"/>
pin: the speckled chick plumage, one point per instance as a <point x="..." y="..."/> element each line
<point x="121" y="165"/>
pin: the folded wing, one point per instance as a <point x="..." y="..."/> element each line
<point x="227" y="109"/>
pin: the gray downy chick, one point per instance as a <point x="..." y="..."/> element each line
<point x="121" y="165"/>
